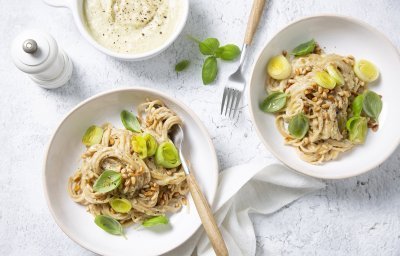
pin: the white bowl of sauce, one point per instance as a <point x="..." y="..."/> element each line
<point x="128" y="29"/>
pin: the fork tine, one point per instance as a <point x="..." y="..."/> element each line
<point x="239" y="97"/>
<point x="229" y="98"/>
<point x="234" y="96"/>
<point x="223" y="99"/>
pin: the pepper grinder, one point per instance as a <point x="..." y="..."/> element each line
<point x="36" y="53"/>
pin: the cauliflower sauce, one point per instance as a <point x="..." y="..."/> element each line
<point x="131" y="26"/>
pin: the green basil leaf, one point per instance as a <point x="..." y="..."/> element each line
<point x="182" y="65"/>
<point x="298" y="126"/>
<point x="92" y="136"/>
<point x="274" y="102"/>
<point x="155" y="221"/>
<point x="209" y="46"/>
<point x="121" y="205"/>
<point x="358" y="129"/>
<point x="167" y="155"/>
<point x="210" y="70"/>
<point x="107" y="181"/>
<point x="130" y="121"/>
<point x="357" y="105"/>
<point x="304" y="48"/>
<point x="109" y="225"/>
<point x="228" y="52"/>
<point x="372" y="104"/>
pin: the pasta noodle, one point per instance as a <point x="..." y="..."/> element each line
<point x="151" y="189"/>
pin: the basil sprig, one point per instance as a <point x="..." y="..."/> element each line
<point x="274" y="102"/>
<point x="228" y="52"/>
<point x="182" y="65"/>
<point x="298" y="126"/>
<point x="109" y="225"/>
<point x="304" y="48"/>
<point x="130" y="121"/>
<point x="210" y="70"/>
<point x="162" y="219"/>
<point x="107" y="181"/>
<point x="369" y="102"/>
<point x="372" y="104"/>
<point x="211" y="48"/>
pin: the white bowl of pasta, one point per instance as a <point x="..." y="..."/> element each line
<point x="314" y="96"/>
<point x="97" y="178"/>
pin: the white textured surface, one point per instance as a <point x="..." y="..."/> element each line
<point x="358" y="216"/>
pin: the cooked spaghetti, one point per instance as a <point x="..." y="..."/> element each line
<point x="327" y="110"/>
<point x="152" y="190"/>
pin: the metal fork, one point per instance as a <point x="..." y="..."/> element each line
<point x="202" y="206"/>
<point x="236" y="82"/>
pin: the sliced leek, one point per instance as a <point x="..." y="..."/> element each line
<point x="151" y="144"/>
<point x="139" y="145"/>
<point x="366" y="70"/>
<point x="323" y="79"/>
<point x="92" y="136"/>
<point x="279" y="67"/>
<point x="121" y="205"/>
<point x="335" y="73"/>
<point x="167" y="155"/>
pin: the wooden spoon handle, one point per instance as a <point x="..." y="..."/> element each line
<point x="207" y="217"/>
<point x="254" y="19"/>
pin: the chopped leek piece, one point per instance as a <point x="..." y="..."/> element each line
<point x="121" y="205"/>
<point x="93" y="135"/>
<point x="151" y="144"/>
<point x="167" y="155"/>
<point x="139" y="145"/>
<point x="358" y="128"/>
<point x="335" y="73"/>
<point x="279" y="67"/>
<point x="357" y="105"/>
<point x="323" y="79"/>
<point x="366" y="70"/>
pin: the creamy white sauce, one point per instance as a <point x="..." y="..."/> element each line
<point x="132" y="26"/>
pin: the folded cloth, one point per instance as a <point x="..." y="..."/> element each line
<point x="257" y="187"/>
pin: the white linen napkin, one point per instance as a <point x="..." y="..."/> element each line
<point x="257" y="187"/>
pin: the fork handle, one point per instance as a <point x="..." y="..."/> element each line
<point x="207" y="217"/>
<point x="254" y="19"/>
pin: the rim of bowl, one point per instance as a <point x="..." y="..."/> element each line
<point x="252" y="116"/>
<point x="195" y="118"/>
<point x="80" y="23"/>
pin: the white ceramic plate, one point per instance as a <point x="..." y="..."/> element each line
<point x="63" y="157"/>
<point x="344" y="36"/>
